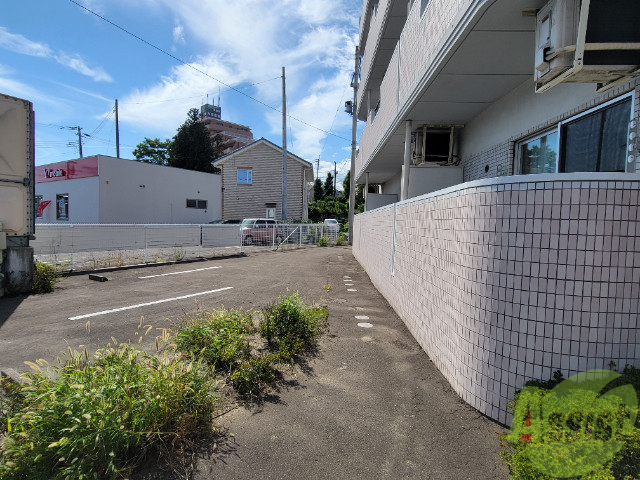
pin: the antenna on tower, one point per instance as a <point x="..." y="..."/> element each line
<point x="218" y="96"/>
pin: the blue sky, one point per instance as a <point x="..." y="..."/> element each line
<point x="73" y="65"/>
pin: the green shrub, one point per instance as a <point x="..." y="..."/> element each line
<point x="340" y="241"/>
<point x="217" y="337"/>
<point x="625" y="465"/>
<point x="44" y="278"/>
<point x="95" y="417"/>
<point x="290" y="326"/>
<point x="323" y="242"/>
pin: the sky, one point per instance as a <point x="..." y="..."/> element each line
<point x="160" y="58"/>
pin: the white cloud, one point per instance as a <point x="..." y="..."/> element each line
<point x="253" y="39"/>
<point x="19" y="44"/>
<point x="178" y="34"/>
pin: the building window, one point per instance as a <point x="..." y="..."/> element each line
<point x="595" y="141"/>
<point x="195" y="203"/>
<point x="62" y="206"/>
<point x="245" y="176"/>
<point x="540" y="154"/>
<point x="271" y="210"/>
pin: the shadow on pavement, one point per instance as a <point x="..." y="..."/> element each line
<point x="8" y="306"/>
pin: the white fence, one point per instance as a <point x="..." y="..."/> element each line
<point x="91" y="246"/>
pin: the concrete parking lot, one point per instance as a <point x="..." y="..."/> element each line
<point x="370" y="405"/>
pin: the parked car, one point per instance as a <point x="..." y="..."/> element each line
<point x="260" y="231"/>
<point x="226" y="222"/>
<point x="331" y="225"/>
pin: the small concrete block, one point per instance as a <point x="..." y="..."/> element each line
<point x="98" y="278"/>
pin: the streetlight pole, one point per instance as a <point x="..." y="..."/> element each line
<point x="354" y="128"/>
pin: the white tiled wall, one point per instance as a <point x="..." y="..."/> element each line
<point x="508" y="282"/>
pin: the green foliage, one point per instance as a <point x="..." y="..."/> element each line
<point x="340" y="241"/>
<point x="328" y="208"/>
<point x="153" y="150"/>
<point x="323" y="242"/>
<point x="96" y="416"/>
<point x="44" y="278"/>
<point x="328" y="191"/>
<point x="290" y="326"/>
<point x="318" y="191"/>
<point x="192" y="148"/>
<point x="565" y="443"/>
<point x="219" y="338"/>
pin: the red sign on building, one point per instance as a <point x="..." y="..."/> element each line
<point x="82" y="168"/>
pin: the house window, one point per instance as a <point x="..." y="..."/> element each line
<point x="423" y="6"/>
<point x="595" y="141"/>
<point x="245" y="176"/>
<point x="196" y="203"/>
<point x="62" y="206"/>
<point x="540" y="154"/>
<point x="271" y="210"/>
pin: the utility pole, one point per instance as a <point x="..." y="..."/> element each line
<point x="79" y="140"/>
<point x="117" y="132"/>
<point x="284" y="148"/>
<point x="335" y="174"/>
<point x="354" y="128"/>
<point x="318" y="168"/>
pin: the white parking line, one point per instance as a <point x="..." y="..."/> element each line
<point x="131" y="307"/>
<point x="178" y="273"/>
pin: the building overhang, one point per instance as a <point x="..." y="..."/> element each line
<point x="490" y="54"/>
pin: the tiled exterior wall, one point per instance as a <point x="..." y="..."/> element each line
<point x="503" y="281"/>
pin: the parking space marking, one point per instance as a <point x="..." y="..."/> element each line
<point x="178" y="273"/>
<point x="131" y="307"/>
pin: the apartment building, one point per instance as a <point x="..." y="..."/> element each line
<point x="506" y="228"/>
<point x="236" y="135"/>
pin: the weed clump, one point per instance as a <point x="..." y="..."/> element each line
<point x="323" y="242"/>
<point x="290" y="326"/>
<point x="44" y="278"/>
<point x="98" y="418"/>
<point x="219" y="338"/>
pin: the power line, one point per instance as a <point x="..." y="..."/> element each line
<point x="179" y="60"/>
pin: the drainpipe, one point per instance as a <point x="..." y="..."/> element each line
<point x="366" y="189"/>
<point x="404" y="191"/>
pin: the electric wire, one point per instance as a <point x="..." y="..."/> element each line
<point x="179" y="60"/>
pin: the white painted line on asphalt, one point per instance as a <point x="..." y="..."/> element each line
<point x="351" y="290"/>
<point x="346" y="276"/>
<point x="362" y="317"/>
<point x="131" y="307"/>
<point x="349" y="284"/>
<point x="365" y="325"/>
<point x="178" y="273"/>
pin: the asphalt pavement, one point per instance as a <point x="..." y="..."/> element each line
<point x="369" y="405"/>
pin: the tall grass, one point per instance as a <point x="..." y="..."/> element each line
<point x="96" y="416"/>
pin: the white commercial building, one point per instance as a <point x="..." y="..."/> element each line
<point x="103" y="189"/>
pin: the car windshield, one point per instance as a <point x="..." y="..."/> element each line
<point x="247" y="221"/>
<point x="332" y="222"/>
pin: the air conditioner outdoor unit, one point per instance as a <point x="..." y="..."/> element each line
<point x="587" y="41"/>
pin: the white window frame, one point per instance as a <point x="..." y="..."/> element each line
<point x="248" y="176"/>
<point x="558" y="129"/>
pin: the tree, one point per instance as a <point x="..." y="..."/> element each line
<point x="318" y="191"/>
<point x="346" y="187"/>
<point x="154" y="151"/>
<point x="328" y="186"/>
<point x="192" y="148"/>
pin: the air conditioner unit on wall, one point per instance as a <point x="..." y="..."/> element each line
<point x="587" y="41"/>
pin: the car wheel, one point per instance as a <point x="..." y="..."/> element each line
<point x="248" y="240"/>
<point x="278" y="239"/>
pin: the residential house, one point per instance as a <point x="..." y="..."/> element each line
<point x="502" y="134"/>
<point x="252" y="182"/>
